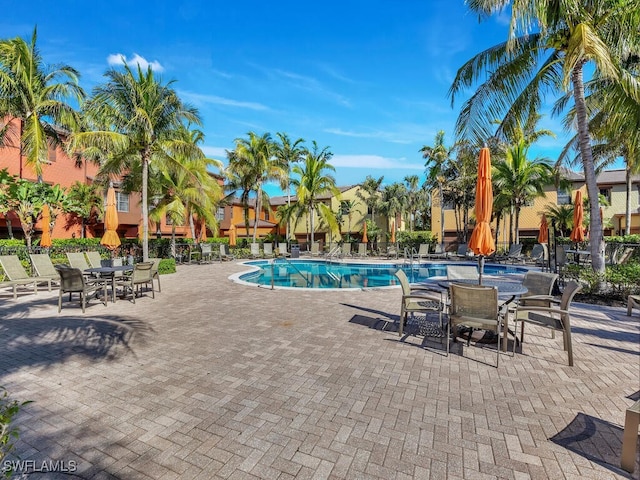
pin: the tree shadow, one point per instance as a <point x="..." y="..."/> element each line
<point x="594" y="439"/>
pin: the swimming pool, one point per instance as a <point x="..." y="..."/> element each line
<point x="318" y="274"/>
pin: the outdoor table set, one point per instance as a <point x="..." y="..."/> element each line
<point x="110" y="272"/>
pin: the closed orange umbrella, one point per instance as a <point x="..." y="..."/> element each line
<point x="577" y="234"/>
<point x="232" y="235"/>
<point x="481" y="241"/>
<point x="364" y="233"/>
<point x="393" y="232"/>
<point x="110" y="239"/>
<point x="543" y="235"/>
<point x="45" y="241"/>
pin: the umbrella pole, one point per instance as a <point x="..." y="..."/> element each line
<point x="480" y="268"/>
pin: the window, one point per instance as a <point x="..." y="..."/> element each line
<point x="122" y="201"/>
<point x="606" y="193"/>
<point x="564" y="197"/>
<point x="220" y="214"/>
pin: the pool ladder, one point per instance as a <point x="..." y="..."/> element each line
<point x="286" y="260"/>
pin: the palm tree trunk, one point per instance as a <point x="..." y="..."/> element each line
<point x="145" y="205"/>
<point x="9" y="226"/>
<point x="596" y="236"/>
<point x="441" y="195"/>
<point x="627" y="211"/>
<point x="173" y="240"/>
<point x="192" y="228"/>
<point x="510" y="227"/>
<point x="517" y="222"/>
<point x="257" y="216"/>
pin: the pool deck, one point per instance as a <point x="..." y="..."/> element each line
<point x="214" y="379"/>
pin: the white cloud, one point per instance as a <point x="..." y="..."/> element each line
<point x="120" y="59"/>
<point x="215" y="152"/>
<point x="401" y="137"/>
<point x="373" y="161"/>
<point x="200" y="98"/>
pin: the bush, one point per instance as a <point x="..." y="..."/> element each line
<point x="414" y="239"/>
<point x="167" y="265"/>
<point x="8" y="434"/>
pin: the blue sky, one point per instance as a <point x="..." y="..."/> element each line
<point x="369" y="79"/>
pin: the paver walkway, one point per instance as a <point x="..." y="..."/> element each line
<point x="218" y="380"/>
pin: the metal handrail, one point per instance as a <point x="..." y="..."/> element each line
<point x="286" y="260"/>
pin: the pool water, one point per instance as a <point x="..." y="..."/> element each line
<point x="321" y="274"/>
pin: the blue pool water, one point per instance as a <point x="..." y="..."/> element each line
<point x="320" y="274"/>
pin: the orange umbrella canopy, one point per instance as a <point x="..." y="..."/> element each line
<point x="45" y="241"/>
<point x="364" y="233"/>
<point x="543" y="235"/>
<point x="393" y="232"/>
<point x="232" y="235"/>
<point x="577" y="234"/>
<point x="481" y="241"/>
<point x="110" y="239"/>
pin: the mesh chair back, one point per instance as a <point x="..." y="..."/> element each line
<point x="462" y="272"/>
<point x="423" y="249"/>
<point x="42" y="265"/>
<point x="255" y="249"/>
<point x="205" y="248"/>
<point x="142" y="272"/>
<point x="346" y="249"/>
<point x="474" y="301"/>
<point x="268" y="248"/>
<point x="71" y="279"/>
<point x="362" y="249"/>
<point x="95" y="260"/>
<point x="77" y="260"/>
<point x="537" y="252"/>
<point x="282" y="248"/>
<point x="13" y="268"/>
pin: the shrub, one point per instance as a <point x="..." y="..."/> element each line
<point x="414" y="239"/>
<point x="8" y="434"/>
<point x="167" y="265"/>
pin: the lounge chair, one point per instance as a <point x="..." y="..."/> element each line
<point x="77" y="260"/>
<point x="362" y="250"/>
<point x="462" y="252"/>
<point x="392" y="251"/>
<point x="95" y="260"/>
<point x="439" y="253"/>
<point x="43" y="267"/>
<point x="462" y="272"/>
<point x="551" y="317"/>
<point x="18" y="276"/>
<point x="255" y="250"/>
<point x="633" y="301"/>
<point x="476" y="307"/>
<point x="345" y="250"/>
<point x="315" y="249"/>
<point x="513" y="255"/>
<point x="267" y="249"/>
<point x="417" y="299"/>
<point x="73" y="281"/>
<point x="142" y="275"/>
<point x="225" y="254"/>
<point x="422" y="253"/>
<point x="282" y="249"/>
<point x="206" y="253"/>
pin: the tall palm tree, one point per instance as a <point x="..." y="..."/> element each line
<point x="136" y="118"/>
<point x="394" y="202"/>
<point x="288" y="153"/>
<point x="38" y="96"/>
<point x="561" y="216"/>
<point x="313" y="180"/>
<point x="519" y="72"/>
<point x="254" y="160"/>
<point x="437" y="157"/>
<point x="412" y="183"/>
<point x="371" y="195"/>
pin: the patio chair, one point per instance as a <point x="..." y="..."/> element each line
<point x="154" y="271"/>
<point x="142" y="275"/>
<point x="633" y="301"/>
<point x="267" y="249"/>
<point x="225" y="254"/>
<point x="392" y="251"/>
<point x="513" y="255"/>
<point x="73" y="281"/>
<point x="462" y="272"/>
<point x="422" y="253"/>
<point x="95" y="260"/>
<point x="17" y="275"/>
<point x="625" y="256"/>
<point x="78" y="260"/>
<point x="255" y="250"/>
<point x="206" y="253"/>
<point x="417" y="299"/>
<point x="550" y="317"/>
<point x="475" y="307"/>
<point x="43" y="267"/>
<point x="439" y="253"/>
<point x="462" y="252"/>
<point x="538" y="255"/>
<point x="282" y="250"/>
<point x="315" y="249"/>
<point x="345" y="250"/>
<point x="362" y="250"/>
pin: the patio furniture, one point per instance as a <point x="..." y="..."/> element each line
<point x="95" y="260"/>
<point x="550" y="317"/>
<point x="392" y="251"/>
<point x="362" y="250"/>
<point x="225" y="254"/>
<point x="422" y="253"/>
<point x="255" y="250"/>
<point x="282" y="249"/>
<point x="206" y="253"/>
<point x="345" y="250"/>
<point x="43" y="267"/>
<point x="538" y="256"/>
<point x="462" y="252"/>
<point x="476" y="307"/>
<point x="73" y="281"/>
<point x="630" y="437"/>
<point x="267" y="249"/>
<point x="315" y="249"/>
<point x="439" y="253"/>
<point x="78" y="260"/>
<point x="17" y="275"/>
<point x="154" y="271"/>
<point x="112" y="273"/>
<point x="625" y="256"/>
<point x="633" y="301"/>
<point x="142" y="274"/>
<point x="417" y="299"/>
<point x="460" y="272"/>
<point x="513" y="255"/>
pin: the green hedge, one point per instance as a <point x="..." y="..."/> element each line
<point x="167" y="265"/>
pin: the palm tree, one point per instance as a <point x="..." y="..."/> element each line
<point x="520" y="71"/>
<point x="437" y="157"/>
<point x="561" y="216"/>
<point x="412" y="182"/>
<point x="254" y="160"/>
<point x="394" y="202"/>
<point x="371" y="195"/>
<point x="521" y="179"/>
<point x="36" y="95"/>
<point x="85" y="201"/>
<point x="288" y="153"/>
<point x="313" y="181"/>
<point x="27" y="199"/>
<point x="136" y="119"/>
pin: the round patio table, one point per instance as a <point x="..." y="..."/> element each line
<point x="111" y="272"/>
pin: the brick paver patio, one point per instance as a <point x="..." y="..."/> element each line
<point x="218" y="380"/>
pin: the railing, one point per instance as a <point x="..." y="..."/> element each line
<point x="292" y="265"/>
